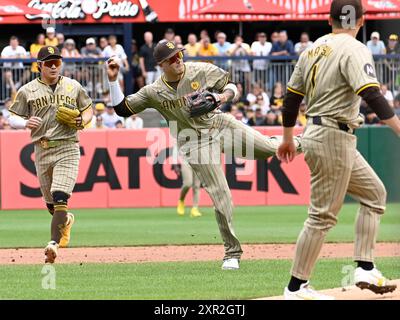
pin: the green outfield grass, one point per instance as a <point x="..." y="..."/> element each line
<point x="191" y="280"/>
<point x="129" y="227"/>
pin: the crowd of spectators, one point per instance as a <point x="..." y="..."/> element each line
<point x="262" y="92"/>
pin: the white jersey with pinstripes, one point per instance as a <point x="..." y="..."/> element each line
<point x="331" y="74"/>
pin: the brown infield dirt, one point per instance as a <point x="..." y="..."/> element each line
<point x="173" y="253"/>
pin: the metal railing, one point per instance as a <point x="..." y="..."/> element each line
<point x="247" y="70"/>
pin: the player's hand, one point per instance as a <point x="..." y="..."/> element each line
<point x="144" y="74"/>
<point x="286" y="151"/>
<point x="112" y="69"/>
<point x="34" y="122"/>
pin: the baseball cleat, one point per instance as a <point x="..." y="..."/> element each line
<point x="50" y="252"/>
<point x="194" y="213"/>
<point x="372" y="280"/>
<point x="306" y="292"/>
<point x="230" y="264"/>
<point x="181" y="208"/>
<point x="66" y="230"/>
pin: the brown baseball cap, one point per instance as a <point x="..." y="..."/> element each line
<point x="164" y="50"/>
<point x="49" y="53"/>
<point x="340" y="12"/>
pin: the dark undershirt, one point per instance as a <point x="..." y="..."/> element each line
<point x="53" y="86"/>
<point x="173" y="84"/>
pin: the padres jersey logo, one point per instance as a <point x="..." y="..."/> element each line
<point x="195" y="85"/>
<point x="170" y="45"/>
<point x="50" y="50"/>
<point x="69" y="87"/>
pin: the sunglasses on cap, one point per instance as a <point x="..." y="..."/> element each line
<point x="175" y="58"/>
<point x="50" y="63"/>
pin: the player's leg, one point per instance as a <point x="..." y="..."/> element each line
<point x="366" y="187"/>
<point x="213" y="180"/>
<point x="245" y="142"/>
<point x="196" y="195"/>
<point x="329" y="154"/>
<point x="187" y="182"/>
<point x="65" y="173"/>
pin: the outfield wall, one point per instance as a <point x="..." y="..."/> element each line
<point x="126" y="168"/>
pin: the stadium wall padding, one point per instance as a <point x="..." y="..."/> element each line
<point x="125" y="168"/>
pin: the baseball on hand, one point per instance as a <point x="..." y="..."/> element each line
<point x="113" y="68"/>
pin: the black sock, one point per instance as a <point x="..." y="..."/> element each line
<point x="295" y="284"/>
<point x="365" y="265"/>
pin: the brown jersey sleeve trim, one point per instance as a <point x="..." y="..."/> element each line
<point x="367" y="86"/>
<point x="226" y="81"/>
<point x="87" y="107"/>
<point x="128" y="107"/>
<point x="295" y="91"/>
<point x="19" y="115"/>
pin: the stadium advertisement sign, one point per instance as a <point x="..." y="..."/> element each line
<point x="126" y="168"/>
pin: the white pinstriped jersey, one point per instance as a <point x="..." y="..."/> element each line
<point x="331" y="74"/>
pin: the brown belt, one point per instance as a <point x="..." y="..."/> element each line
<point x="46" y="144"/>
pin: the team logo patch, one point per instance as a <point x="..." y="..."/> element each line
<point x="195" y="85"/>
<point x="50" y="50"/>
<point x="170" y="45"/>
<point x="369" y="70"/>
<point x="69" y="87"/>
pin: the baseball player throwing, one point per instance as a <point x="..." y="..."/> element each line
<point x="334" y="74"/>
<point x="188" y="94"/>
<point x="54" y="108"/>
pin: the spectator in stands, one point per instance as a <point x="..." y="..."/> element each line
<point x="115" y="49"/>
<point x="148" y="65"/>
<point x="222" y="46"/>
<point x="396" y="104"/>
<point x="207" y="49"/>
<point x="178" y="41"/>
<point x="254" y="97"/>
<point x="240" y="68"/>
<point x="91" y="50"/>
<point x="284" y="46"/>
<point x="51" y="39"/>
<point x="110" y="118"/>
<point x="3" y="122"/>
<point x="6" y="107"/>
<point x="241" y="97"/>
<point x="99" y="123"/>
<point x="301" y="118"/>
<point x="274" y="37"/>
<point x="250" y="116"/>
<point x="204" y="34"/>
<point x="60" y="38"/>
<point x="14" y="51"/>
<point x="10" y="86"/>
<point x="134" y="122"/>
<point x="135" y="65"/>
<point x="304" y="43"/>
<point x="70" y="50"/>
<point x="34" y="50"/>
<point x="393" y="46"/>
<point x="192" y="47"/>
<point x="260" y="48"/>
<point x="103" y="43"/>
<point x="99" y="109"/>
<point x="169" y="34"/>
<point x="276" y="101"/>
<point x="271" y="119"/>
<point x="259" y="118"/>
<point x="387" y="94"/>
<point x="375" y="45"/>
<point x="119" y="125"/>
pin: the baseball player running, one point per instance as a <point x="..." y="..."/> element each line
<point x="334" y="74"/>
<point x="54" y="108"/>
<point x="189" y="180"/>
<point x="188" y="94"/>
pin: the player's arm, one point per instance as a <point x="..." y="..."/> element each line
<point x="218" y="80"/>
<point x="377" y="102"/>
<point x="19" y="113"/>
<point x="123" y="106"/>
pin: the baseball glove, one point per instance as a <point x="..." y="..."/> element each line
<point x="202" y="102"/>
<point x="70" y="116"/>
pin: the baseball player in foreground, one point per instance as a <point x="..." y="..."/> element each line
<point x="334" y="74"/>
<point x="189" y="180"/>
<point x="188" y="95"/>
<point x="54" y="108"/>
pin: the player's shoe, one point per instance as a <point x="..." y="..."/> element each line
<point x="194" y="213"/>
<point x="230" y="264"/>
<point x="180" y="209"/>
<point x="66" y="230"/>
<point x="306" y="292"/>
<point x="50" y="252"/>
<point x="372" y="280"/>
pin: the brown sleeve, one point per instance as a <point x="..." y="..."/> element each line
<point x="290" y="109"/>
